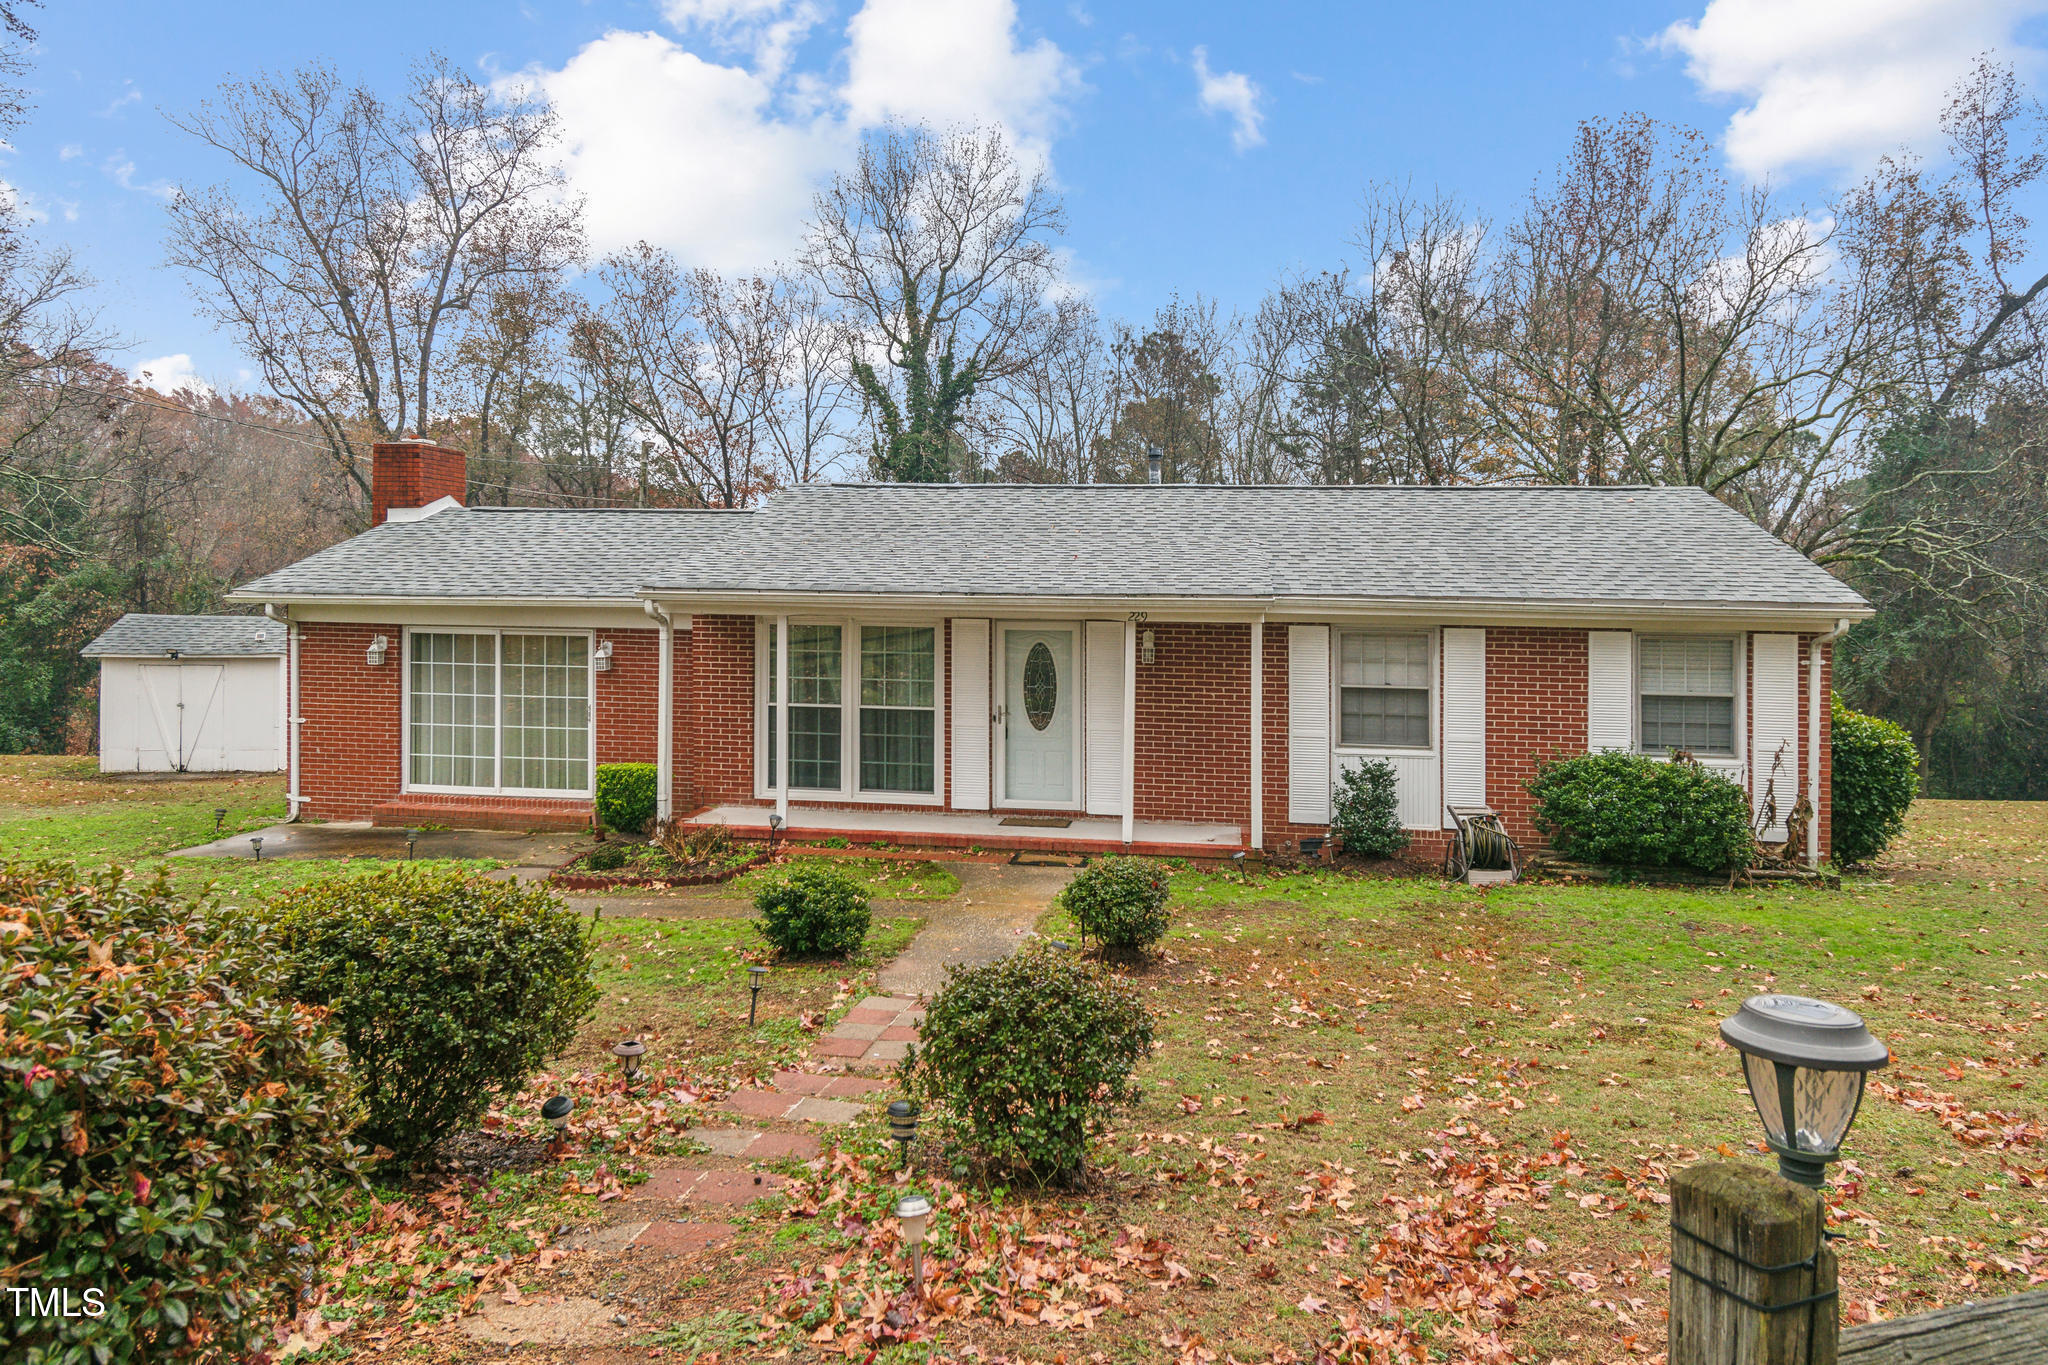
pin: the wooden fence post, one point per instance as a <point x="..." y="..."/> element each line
<point x="1752" y="1280"/>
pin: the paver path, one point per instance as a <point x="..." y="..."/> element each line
<point x="874" y="1034"/>
<point x="990" y="918"/>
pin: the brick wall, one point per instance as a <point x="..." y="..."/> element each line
<point x="719" y="714"/>
<point x="1535" y="708"/>
<point x="1194" y="749"/>
<point x="349" y="746"/>
<point x="628" y="725"/>
<point x="1824" y="802"/>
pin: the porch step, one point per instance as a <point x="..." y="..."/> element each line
<point x="484" y="812"/>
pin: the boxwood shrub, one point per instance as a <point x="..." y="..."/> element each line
<point x="174" y="1123"/>
<point x="814" y="910"/>
<point x="449" y="989"/>
<point x="625" y="796"/>
<point x="1119" y="902"/>
<point x="1026" y="1057"/>
<point x="1876" y="777"/>
<point x="1638" y="811"/>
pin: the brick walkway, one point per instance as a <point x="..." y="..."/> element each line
<point x="874" y="1034"/>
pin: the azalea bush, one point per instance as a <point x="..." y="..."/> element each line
<point x="175" y="1125"/>
<point x="1876" y="776"/>
<point x="814" y="911"/>
<point x="1027" y="1057"/>
<point x="1366" y="810"/>
<point x="1120" y="902"/>
<point x="449" y="990"/>
<point x="1637" y="811"/>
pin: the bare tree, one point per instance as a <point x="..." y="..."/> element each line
<point x="1058" y="408"/>
<point x="369" y="236"/>
<point x="938" y="248"/>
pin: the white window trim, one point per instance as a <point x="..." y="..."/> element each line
<point x="1435" y="651"/>
<point x="406" y="784"/>
<point x="849" y="789"/>
<point x="1736" y="763"/>
<point x="999" y="737"/>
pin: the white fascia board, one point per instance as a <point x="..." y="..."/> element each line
<point x="473" y="611"/>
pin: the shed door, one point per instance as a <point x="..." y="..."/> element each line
<point x="181" y="712"/>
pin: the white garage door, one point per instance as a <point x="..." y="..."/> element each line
<point x="192" y="715"/>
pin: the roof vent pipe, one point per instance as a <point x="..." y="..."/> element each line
<point x="1154" y="461"/>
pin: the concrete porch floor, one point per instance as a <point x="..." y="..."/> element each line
<point x="957" y="829"/>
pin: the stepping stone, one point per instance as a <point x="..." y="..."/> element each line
<point x="682" y="1239"/>
<point x="687" y="1185"/>
<point x="861" y="1014"/>
<point x="846" y="1087"/>
<point x="727" y="1141"/>
<point x="865" y="1032"/>
<point x="550" y="1320"/>
<point x="899" y="1033"/>
<point x="839" y="1047"/>
<point x="758" y="1104"/>
<point x="782" y="1147"/>
<point x="819" y="1110"/>
<point x="606" y="1240"/>
<point x="888" y="1052"/>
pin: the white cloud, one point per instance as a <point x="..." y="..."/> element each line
<point x="129" y="95"/>
<point x="70" y="151"/>
<point x="1234" y="95"/>
<point x="716" y="158"/>
<point x="120" y="168"/>
<point x="1835" y="83"/>
<point x="18" y="203"/>
<point x="169" y="374"/>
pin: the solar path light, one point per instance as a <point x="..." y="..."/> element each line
<point x="903" y="1126"/>
<point x="1806" y="1062"/>
<point x="912" y="1210"/>
<point x="629" y="1051"/>
<point x="256" y="847"/>
<point x="755" y="976"/>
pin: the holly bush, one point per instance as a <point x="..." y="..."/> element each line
<point x="449" y="989"/>
<point x="1027" y="1057"/>
<point x="1366" y="810"/>
<point x="814" y="910"/>
<point x="1118" y="901"/>
<point x="1633" y="810"/>
<point x="1876" y="776"/>
<point x="174" y="1123"/>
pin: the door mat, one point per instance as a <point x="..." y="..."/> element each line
<point x="1036" y="821"/>
<point x="1026" y="858"/>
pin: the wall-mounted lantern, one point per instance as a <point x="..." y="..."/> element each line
<point x="374" y="655"/>
<point x="602" y="659"/>
<point x="1806" y="1062"/>
<point x="1146" y="651"/>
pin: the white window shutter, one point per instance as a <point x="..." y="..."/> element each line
<point x="970" y="715"/>
<point x="1308" y="725"/>
<point x="1103" y="715"/>
<point x="1464" y="702"/>
<point x="1774" y="723"/>
<point x="1610" y="690"/>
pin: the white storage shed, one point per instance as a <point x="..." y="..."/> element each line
<point x="200" y="694"/>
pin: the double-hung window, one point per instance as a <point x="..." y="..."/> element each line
<point x="1686" y="691"/>
<point x="498" y="711"/>
<point x="882" y="733"/>
<point x="1383" y="683"/>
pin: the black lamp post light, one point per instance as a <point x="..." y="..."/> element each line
<point x="220" y="817"/>
<point x="412" y="837"/>
<point x="556" y="1112"/>
<point x="755" y="976"/>
<point x="256" y="847"/>
<point x="903" y="1126"/>
<point x="1806" y="1062"/>
<point x="629" y="1051"/>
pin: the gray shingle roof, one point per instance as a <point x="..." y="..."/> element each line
<point x="1600" y="546"/>
<point x="502" y="552"/>
<point x="204" y="637"/>
<point x="1596" y="545"/>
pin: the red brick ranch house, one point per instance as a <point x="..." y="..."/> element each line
<point x="1167" y="668"/>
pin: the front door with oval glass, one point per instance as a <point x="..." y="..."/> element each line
<point x="1036" y="716"/>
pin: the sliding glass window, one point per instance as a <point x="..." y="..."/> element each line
<point x="493" y="712"/>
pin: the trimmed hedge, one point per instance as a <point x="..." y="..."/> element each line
<point x="449" y="989"/>
<point x="175" y="1125"/>
<point x="814" y="911"/>
<point x="1029" y="1056"/>
<point x="1366" y="811"/>
<point x="625" y="796"/>
<point x="1876" y="775"/>
<point x="1637" y="811"/>
<point x="1119" y="901"/>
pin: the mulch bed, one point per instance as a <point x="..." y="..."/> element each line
<point x="570" y="878"/>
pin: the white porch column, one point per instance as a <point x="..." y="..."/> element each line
<point x="1259" y="733"/>
<point x="665" y="725"/>
<point x="1130" y="730"/>
<point x="781" y="721"/>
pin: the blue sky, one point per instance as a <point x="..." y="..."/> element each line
<point x="1200" y="146"/>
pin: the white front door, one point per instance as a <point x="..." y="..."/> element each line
<point x="1040" y="690"/>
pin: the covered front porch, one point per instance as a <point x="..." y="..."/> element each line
<point x="956" y="829"/>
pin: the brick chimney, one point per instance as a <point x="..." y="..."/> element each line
<point x="412" y="473"/>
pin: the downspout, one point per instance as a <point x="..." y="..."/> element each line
<point x="1130" y="753"/>
<point x="1813" y="739"/>
<point x="664" y="719"/>
<point x="1259" y="734"/>
<point x="780" y="720"/>
<point x="293" y="720"/>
